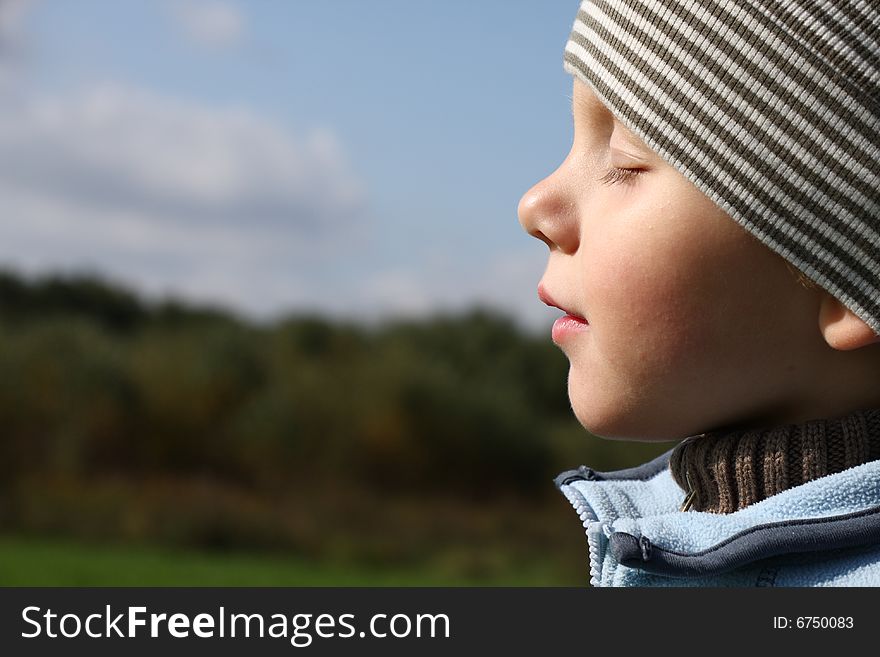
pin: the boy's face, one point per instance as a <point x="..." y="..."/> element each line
<point x="693" y="324"/>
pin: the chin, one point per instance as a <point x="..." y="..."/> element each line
<point x="601" y="423"/>
<point x="608" y="432"/>
<point x="608" y="412"/>
<point x="613" y="421"/>
<point x="605" y="418"/>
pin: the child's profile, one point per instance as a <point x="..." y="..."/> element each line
<point x="714" y="247"/>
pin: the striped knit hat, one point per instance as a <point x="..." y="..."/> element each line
<point x="770" y="107"/>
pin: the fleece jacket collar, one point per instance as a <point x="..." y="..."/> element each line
<point x="638" y="536"/>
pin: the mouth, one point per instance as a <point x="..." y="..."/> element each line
<point x="545" y="298"/>
<point x="566" y="327"/>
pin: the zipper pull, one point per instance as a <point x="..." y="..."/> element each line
<point x="691" y="493"/>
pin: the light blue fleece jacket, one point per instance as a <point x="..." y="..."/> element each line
<point x="825" y="532"/>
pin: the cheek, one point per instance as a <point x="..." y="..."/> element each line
<point x="644" y="351"/>
<point x="650" y="297"/>
<point x="668" y="307"/>
<point x="686" y="312"/>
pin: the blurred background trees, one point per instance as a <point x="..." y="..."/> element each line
<point x="431" y="443"/>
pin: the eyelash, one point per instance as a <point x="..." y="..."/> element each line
<point x="616" y="175"/>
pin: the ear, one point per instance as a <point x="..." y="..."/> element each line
<point x="841" y="327"/>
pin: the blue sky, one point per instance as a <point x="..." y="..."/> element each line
<point x="362" y="159"/>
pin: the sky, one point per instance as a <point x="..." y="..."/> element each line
<point x="358" y="159"/>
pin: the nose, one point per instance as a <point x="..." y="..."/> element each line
<point x="548" y="211"/>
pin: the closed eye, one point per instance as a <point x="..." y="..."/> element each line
<point x="617" y="175"/>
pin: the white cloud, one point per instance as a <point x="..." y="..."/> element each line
<point x="215" y="203"/>
<point x="209" y="22"/>
<point x="397" y="292"/>
<point x="120" y="148"/>
<point x="506" y="282"/>
<point x="222" y="205"/>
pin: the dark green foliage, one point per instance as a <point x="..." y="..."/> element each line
<point x="166" y="423"/>
<point x="82" y="296"/>
<point x="90" y="297"/>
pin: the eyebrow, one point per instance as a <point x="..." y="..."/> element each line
<point x="629" y="135"/>
<point x="588" y="102"/>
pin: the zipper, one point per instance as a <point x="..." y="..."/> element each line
<point x="691" y="493"/>
<point x="596" y="539"/>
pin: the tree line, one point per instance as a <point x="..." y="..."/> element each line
<point x="171" y="422"/>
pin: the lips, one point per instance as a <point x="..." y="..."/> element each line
<point x="567" y="327"/>
<point x="545" y="297"/>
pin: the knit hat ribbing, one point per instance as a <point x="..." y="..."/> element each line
<point x="771" y="108"/>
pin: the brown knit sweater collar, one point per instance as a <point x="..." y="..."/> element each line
<point x="723" y="471"/>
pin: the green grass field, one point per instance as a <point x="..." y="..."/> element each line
<point x="41" y="562"/>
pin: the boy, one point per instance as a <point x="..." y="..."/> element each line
<point x="714" y="240"/>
